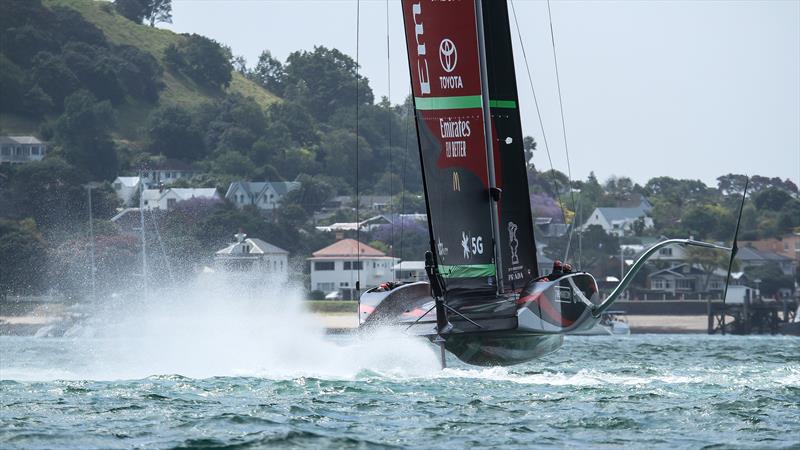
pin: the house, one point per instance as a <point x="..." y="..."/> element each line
<point x="128" y="221"/>
<point x="166" y="199"/>
<point x="21" y="149"/>
<point x="619" y="221"/>
<point x="167" y="172"/>
<point x="788" y="246"/>
<point x="339" y="266"/>
<point x="373" y="203"/>
<point x="126" y="189"/>
<point x="683" y="279"/>
<point x="545" y="227"/>
<point x="264" y="195"/>
<point x="410" y="271"/>
<point x="750" y="257"/>
<point x="254" y="257"/>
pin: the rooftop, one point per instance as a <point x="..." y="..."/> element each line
<point x="348" y="248"/>
<point x="257" y="247"/>
<point x="30" y="140"/>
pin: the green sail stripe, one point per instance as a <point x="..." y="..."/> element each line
<point x="462" y="102"/>
<point x="434" y="103"/>
<point x="468" y="271"/>
<point x="509" y="104"/>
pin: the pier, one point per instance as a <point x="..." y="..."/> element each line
<point x="750" y="317"/>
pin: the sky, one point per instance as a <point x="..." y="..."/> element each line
<point x="686" y="89"/>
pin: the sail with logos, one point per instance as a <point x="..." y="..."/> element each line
<point x="484" y="300"/>
<point x="455" y="141"/>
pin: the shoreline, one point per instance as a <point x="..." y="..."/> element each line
<point x="46" y="324"/>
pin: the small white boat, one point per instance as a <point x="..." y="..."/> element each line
<point x="614" y="323"/>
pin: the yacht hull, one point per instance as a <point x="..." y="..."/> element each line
<point x="491" y="330"/>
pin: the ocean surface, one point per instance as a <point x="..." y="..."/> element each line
<point x="209" y="390"/>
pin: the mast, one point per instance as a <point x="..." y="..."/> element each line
<point x="487" y="126"/>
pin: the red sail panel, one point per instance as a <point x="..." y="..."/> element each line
<point x="442" y="43"/>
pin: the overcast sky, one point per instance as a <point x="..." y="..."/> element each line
<point x="687" y="89"/>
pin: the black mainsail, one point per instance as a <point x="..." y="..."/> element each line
<point x="462" y="67"/>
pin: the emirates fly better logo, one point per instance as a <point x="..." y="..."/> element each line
<point x="448" y="55"/>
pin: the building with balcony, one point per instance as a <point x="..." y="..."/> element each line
<point x="339" y="266"/>
<point x="21" y="149"/>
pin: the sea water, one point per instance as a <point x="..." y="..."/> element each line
<point x="205" y="367"/>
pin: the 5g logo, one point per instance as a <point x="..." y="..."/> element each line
<point x="472" y="245"/>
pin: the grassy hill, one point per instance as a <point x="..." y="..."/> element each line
<point x="179" y="90"/>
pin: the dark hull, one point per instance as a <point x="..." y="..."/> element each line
<point x="503" y="348"/>
<point x="489" y="330"/>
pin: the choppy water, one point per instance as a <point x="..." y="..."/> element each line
<point x="596" y="392"/>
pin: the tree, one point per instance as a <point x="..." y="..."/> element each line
<point x="700" y="220"/>
<point x="83" y="133"/>
<point x="772" y="199"/>
<point x="201" y="59"/>
<point x="172" y="132"/>
<point x="53" y="75"/>
<point x="50" y="192"/>
<point x="158" y="11"/>
<point x="269" y="72"/>
<point x="311" y="195"/>
<point x="529" y="146"/>
<point x="21" y="243"/>
<point x="133" y="10"/>
<point x="731" y="183"/>
<point x="772" y="279"/>
<point x="330" y="78"/>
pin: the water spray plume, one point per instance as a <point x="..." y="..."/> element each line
<point x="223" y="325"/>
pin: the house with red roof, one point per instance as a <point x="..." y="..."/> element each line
<point x="339" y="266"/>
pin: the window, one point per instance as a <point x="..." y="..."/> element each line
<point x="658" y="283"/>
<point x="324" y="265"/>
<point x="167" y="175"/>
<point x="344" y="284"/>
<point x="714" y="285"/>
<point x="683" y="284"/>
<point x="354" y="265"/>
<point x="34" y="150"/>
<point x="665" y="252"/>
<point x="171" y="203"/>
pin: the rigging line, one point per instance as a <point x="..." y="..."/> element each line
<point x="358" y="198"/>
<point x="389" y="118"/>
<point x="538" y="114"/>
<point x="561" y="107"/>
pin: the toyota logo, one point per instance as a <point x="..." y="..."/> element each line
<point x="448" y="55"/>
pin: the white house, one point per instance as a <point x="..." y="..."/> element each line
<point x="410" y="271"/>
<point x="253" y="256"/>
<point x="126" y="188"/>
<point x="264" y="195"/>
<point x="167" y="172"/>
<point x="340" y="265"/>
<point x="21" y="149"/>
<point x="618" y="221"/>
<point x="166" y="199"/>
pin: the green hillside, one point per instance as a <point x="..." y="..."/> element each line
<point x="178" y="89"/>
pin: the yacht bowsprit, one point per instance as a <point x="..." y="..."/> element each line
<point x="484" y="300"/>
